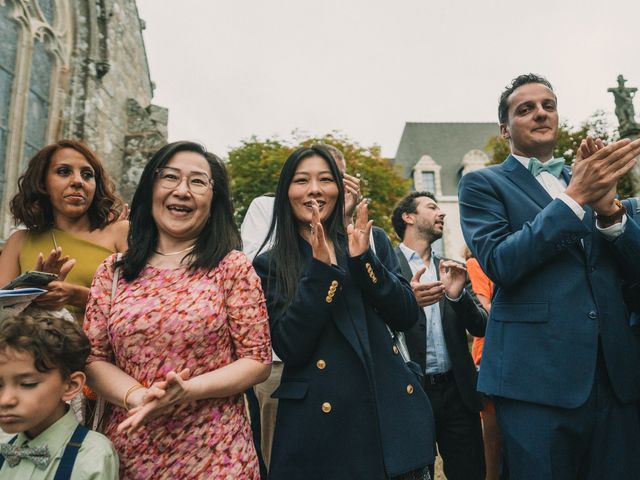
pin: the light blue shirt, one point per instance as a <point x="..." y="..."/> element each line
<point x="97" y="458"/>
<point x="437" y="355"/>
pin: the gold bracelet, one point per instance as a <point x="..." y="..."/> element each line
<point x="133" y="388"/>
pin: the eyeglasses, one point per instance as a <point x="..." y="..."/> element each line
<point x="169" y="177"/>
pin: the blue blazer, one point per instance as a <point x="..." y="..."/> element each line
<point x="554" y="298"/>
<point x="632" y="290"/>
<point x="348" y="406"/>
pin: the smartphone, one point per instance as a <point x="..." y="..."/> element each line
<point x="31" y="279"/>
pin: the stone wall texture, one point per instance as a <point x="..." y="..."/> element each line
<point x="109" y="102"/>
<point x="98" y="89"/>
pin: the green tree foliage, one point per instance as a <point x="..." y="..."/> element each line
<point x="568" y="142"/>
<point x="255" y="165"/>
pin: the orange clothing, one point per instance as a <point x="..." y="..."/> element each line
<point x="481" y="286"/>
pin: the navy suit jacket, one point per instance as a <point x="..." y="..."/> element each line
<point x="555" y="300"/>
<point x="349" y="407"/>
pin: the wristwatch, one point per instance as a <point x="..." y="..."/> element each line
<point x="605" y="221"/>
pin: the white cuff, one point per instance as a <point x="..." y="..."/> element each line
<point x="613" y="231"/>
<point x="572" y="204"/>
<point x="455" y="299"/>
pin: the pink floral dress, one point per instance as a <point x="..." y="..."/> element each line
<point x="171" y="319"/>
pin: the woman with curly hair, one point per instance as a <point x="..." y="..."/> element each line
<point x="67" y="203"/>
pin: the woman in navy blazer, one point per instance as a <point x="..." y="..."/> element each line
<point x="349" y="408"/>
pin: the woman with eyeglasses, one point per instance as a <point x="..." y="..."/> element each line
<point x="183" y="329"/>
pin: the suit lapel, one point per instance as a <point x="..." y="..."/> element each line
<point x="347" y="303"/>
<point x="351" y="305"/>
<point x="523" y="179"/>
<point x="588" y="220"/>
<point x="405" y="269"/>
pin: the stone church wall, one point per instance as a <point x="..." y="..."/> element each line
<point x="75" y="69"/>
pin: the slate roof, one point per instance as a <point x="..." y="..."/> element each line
<point x="446" y="143"/>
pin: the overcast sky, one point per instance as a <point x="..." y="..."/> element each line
<point x="229" y="69"/>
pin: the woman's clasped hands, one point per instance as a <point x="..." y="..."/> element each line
<point x="149" y="403"/>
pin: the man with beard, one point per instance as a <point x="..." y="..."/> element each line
<point x="438" y="341"/>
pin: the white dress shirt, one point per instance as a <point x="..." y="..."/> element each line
<point x="556" y="187"/>
<point x="254" y="230"/>
<point x="255" y="225"/>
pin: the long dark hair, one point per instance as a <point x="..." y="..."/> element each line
<point x="31" y="206"/>
<point x="218" y="237"/>
<point x="284" y="259"/>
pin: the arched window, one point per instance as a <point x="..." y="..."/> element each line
<point x="37" y="119"/>
<point x="35" y="39"/>
<point x="9" y="36"/>
<point x="47" y="7"/>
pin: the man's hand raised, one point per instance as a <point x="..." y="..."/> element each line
<point x="426" y="293"/>
<point x="594" y="177"/>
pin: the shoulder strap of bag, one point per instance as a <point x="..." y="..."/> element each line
<point x="71" y="453"/>
<point x="397" y="337"/>
<point x="101" y="402"/>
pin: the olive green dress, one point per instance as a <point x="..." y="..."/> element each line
<point x="88" y="257"/>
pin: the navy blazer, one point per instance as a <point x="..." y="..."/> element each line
<point x="457" y="318"/>
<point x="348" y="407"/>
<point x="555" y="299"/>
<point x="632" y="290"/>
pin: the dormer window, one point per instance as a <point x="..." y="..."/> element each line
<point x="428" y="181"/>
<point x="426" y="176"/>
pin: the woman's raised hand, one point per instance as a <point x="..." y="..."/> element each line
<point x="53" y="263"/>
<point x="61" y="293"/>
<point x="319" y="246"/>
<point x="359" y="233"/>
<point x="157" y="399"/>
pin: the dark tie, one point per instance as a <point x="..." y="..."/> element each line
<point x="38" y="455"/>
<point x="553" y="166"/>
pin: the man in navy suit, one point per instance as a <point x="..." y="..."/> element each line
<point x="559" y="358"/>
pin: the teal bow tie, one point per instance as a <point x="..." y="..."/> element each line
<point x="38" y="455"/>
<point x="553" y="166"/>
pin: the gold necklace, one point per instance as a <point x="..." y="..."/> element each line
<point x="167" y="254"/>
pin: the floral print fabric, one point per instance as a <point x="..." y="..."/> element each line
<point x="172" y="319"/>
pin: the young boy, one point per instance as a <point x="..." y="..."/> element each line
<point x="41" y="368"/>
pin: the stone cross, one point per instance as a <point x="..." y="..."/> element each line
<point x="624" y="107"/>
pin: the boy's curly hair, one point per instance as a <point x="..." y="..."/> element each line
<point x="53" y="342"/>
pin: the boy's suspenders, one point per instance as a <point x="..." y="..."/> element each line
<point x="10" y="442"/>
<point x="70" y="453"/>
<point x="68" y="456"/>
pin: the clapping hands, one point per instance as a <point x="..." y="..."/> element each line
<point x="321" y="249"/>
<point x="360" y="232"/>
<point x="55" y="263"/>
<point x="426" y="293"/>
<point x="453" y="277"/>
<point x="351" y="195"/>
<point x="59" y="293"/>
<point x="597" y="170"/>
<point x="157" y="400"/>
